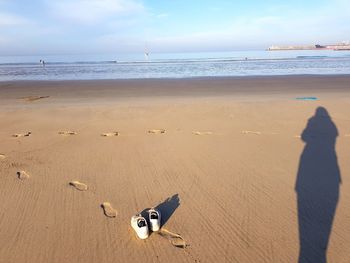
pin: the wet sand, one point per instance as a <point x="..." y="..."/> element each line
<point x="238" y="167"/>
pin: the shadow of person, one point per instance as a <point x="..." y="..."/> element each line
<point x="317" y="187"/>
<point x="166" y="208"/>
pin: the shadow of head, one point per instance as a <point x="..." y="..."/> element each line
<point x="321" y="112"/>
<point x="320" y="130"/>
<point x="166" y="208"/>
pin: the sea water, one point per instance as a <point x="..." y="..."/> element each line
<point x="174" y="65"/>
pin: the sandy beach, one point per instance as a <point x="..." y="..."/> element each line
<point x="244" y="169"/>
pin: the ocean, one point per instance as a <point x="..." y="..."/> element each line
<point x="174" y="65"/>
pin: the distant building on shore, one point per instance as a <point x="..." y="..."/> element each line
<point x="341" y="46"/>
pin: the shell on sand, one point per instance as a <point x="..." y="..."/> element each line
<point x="2" y="156"/>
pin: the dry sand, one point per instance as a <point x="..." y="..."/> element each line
<point x="230" y="194"/>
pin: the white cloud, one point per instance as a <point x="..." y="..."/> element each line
<point x="92" y="11"/>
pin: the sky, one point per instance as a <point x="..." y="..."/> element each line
<point x="39" y="27"/>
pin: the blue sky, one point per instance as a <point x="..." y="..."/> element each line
<point x="117" y="26"/>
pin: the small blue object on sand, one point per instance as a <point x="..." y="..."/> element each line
<point x="306" y="98"/>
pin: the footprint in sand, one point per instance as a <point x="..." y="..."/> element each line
<point x="157" y="131"/>
<point x="67" y="133"/>
<point x="110" y="134"/>
<point x="34" y="98"/>
<point x="2" y="156"/>
<point x="251" y="132"/>
<point x="22" y="134"/>
<point x="175" y="239"/>
<point x="108" y="210"/>
<point x="22" y="175"/>
<point x="202" y="132"/>
<point x="78" y="185"/>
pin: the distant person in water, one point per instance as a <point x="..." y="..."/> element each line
<point x="42" y="62"/>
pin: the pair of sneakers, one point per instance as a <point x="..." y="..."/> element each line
<point x="140" y="225"/>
